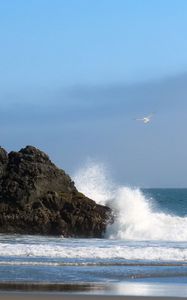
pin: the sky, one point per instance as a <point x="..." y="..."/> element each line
<point x="74" y="76"/>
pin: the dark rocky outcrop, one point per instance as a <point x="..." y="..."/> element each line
<point x="38" y="198"/>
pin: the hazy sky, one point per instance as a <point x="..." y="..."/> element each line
<point x="74" y="74"/>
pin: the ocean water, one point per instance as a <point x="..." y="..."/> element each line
<point x="144" y="252"/>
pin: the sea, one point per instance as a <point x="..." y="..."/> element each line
<point x="144" y="252"/>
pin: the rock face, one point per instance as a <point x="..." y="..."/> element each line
<point x="38" y="198"/>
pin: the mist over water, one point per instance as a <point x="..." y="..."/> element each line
<point x="137" y="216"/>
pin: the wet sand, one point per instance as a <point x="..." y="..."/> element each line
<point x="51" y="296"/>
<point x="125" y="291"/>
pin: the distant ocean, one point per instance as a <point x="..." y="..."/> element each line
<point x="146" y="247"/>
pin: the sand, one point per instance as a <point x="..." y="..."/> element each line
<point x="51" y="296"/>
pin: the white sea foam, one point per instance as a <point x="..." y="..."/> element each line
<point x="94" y="252"/>
<point x="136" y="217"/>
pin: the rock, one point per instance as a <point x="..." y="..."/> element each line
<point x="3" y="160"/>
<point x="36" y="197"/>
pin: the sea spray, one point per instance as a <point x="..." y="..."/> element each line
<point x="92" y="180"/>
<point x="136" y="217"/>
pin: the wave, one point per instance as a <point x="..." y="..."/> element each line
<point x="115" y="252"/>
<point x="136" y="217"/>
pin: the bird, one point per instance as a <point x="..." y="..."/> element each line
<point x="145" y="119"/>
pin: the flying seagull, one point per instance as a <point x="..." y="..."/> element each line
<point x="145" y="119"/>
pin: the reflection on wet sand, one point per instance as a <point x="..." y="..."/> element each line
<point x="134" y="290"/>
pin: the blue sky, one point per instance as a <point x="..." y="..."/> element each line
<point x="75" y="74"/>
